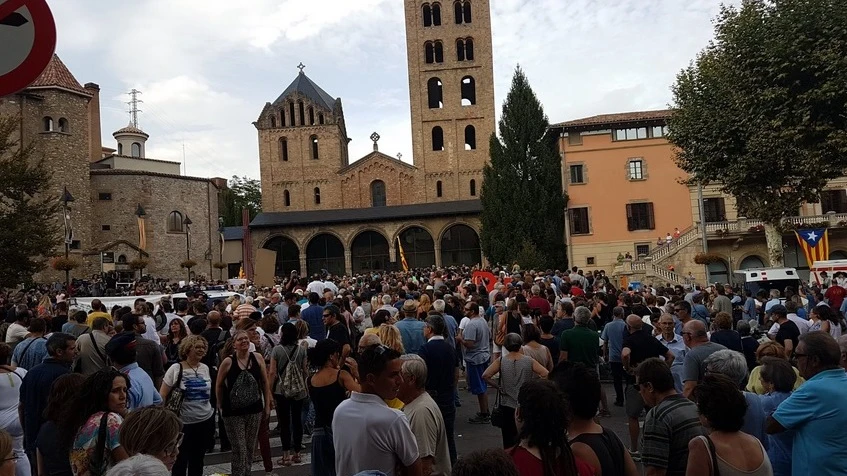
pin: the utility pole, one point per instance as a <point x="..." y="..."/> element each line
<point x="133" y="106"/>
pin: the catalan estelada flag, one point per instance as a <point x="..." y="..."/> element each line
<point x="814" y="243"/>
<point x="402" y="256"/>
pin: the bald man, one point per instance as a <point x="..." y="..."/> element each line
<point x="638" y="346"/>
<point x="696" y="338"/>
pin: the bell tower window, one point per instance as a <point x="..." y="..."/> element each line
<point x="427" y="15"/>
<point x="283" y="149"/>
<point x="470" y="138"/>
<point x="437" y="138"/>
<point x="282" y="118"/>
<point x="468" y="91"/>
<point x="317" y="196"/>
<point x="302" y="113"/>
<point x="273" y="121"/>
<point x="286" y="198"/>
<point x="438" y="190"/>
<point x="464" y="49"/>
<point x="291" y="113"/>
<point x="473" y="188"/>
<point x="462" y="11"/>
<point x="435" y="95"/>
<point x="315" y="149"/>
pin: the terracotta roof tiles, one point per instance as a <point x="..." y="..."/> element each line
<point x="612" y="119"/>
<point x="57" y="75"/>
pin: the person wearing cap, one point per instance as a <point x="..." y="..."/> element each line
<point x="121" y="350"/>
<point x="788" y="334"/>
<point x="411" y="328"/>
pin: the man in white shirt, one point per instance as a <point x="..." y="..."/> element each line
<point x="386" y="304"/>
<point x="367" y="434"/>
<point x="17" y="330"/>
<point x="316" y="286"/>
<point x="424" y="416"/>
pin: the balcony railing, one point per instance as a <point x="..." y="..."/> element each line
<point x="742" y="225"/>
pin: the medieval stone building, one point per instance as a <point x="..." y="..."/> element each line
<point x="322" y="212"/>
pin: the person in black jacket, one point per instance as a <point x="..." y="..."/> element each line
<point x="441" y="363"/>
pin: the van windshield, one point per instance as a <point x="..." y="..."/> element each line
<point x="780" y="284"/>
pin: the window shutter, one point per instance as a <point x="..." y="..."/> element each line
<point x="571" y="220"/>
<point x="626" y="170"/>
<point x="651" y="221"/>
<point x="629" y="222"/>
<point x="584" y="173"/>
<point x="721" y="209"/>
<point x="643" y="169"/>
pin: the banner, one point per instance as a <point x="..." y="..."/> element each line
<point x="815" y="244"/>
<point x="402" y="255"/>
<point x="142" y="234"/>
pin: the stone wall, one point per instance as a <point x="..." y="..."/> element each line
<point x="159" y="195"/>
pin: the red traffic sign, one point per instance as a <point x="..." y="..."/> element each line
<point x="28" y="36"/>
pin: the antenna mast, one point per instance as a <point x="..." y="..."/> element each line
<point x="133" y="106"/>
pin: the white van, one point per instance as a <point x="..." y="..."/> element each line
<point x="755" y="279"/>
<point x="830" y="266"/>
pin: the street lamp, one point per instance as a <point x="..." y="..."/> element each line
<point x="187" y="223"/>
<point x="69" y="233"/>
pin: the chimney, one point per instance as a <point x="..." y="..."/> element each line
<point x="95" y="142"/>
<point x="219" y="182"/>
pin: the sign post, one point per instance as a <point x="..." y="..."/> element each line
<point x="28" y="36"/>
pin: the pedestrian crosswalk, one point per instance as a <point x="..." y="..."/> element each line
<point x="219" y="462"/>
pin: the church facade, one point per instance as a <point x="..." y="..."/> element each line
<point x="322" y="212"/>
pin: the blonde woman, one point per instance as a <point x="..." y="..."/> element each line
<point x="768" y="349"/>
<point x="303" y="333"/>
<point x="424" y="306"/>
<point x="153" y="431"/>
<point x="7" y="467"/>
<point x="45" y="308"/>
<point x="391" y="337"/>
<point x="195" y="380"/>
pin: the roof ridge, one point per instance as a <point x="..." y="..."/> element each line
<point x="56" y="74"/>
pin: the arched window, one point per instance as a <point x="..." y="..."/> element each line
<point x="291" y="113"/>
<point x="427" y="15"/>
<point x="470" y="137"/>
<point x="120" y="149"/>
<point x="468" y="49"/>
<point x="439" y="52"/>
<point x="175" y="222"/>
<point x="468" y="91"/>
<point x="311" y="116"/>
<point x="460" y="49"/>
<point x="286" y="197"/>
<point x="434" y="93"/>
<point x="122" y="259"/>
<point x="314" y="141"/>
<point x="429" y="52"/>
<point x="283" y="149"/>
<point x="436" y="14"/>
<point x="437" y="138"/>
<point x="282" y="118"/>
<point x="462" y="11"/>
<point x="317" y="196"/>
<point x="302" y="113"/>
<point x="320" y="118"/>
<point x="136" y="149"/>
<point x="378" y="193"/>
<point x="273" y="121"/>
<point x="473" y="188"/>
<point x="48" y="124"/>
<point x="438" y="190"/>
<point x="63" y="125"/>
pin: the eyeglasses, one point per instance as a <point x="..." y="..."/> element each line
<point x="327" y="315"/>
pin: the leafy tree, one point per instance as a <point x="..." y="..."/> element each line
<point x="762" y="111"/>
<point x="522" y="200"/>
<point x="29" y="208"/>
<point x="243" y="192"/>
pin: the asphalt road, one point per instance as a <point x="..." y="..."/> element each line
<point x="469" y="437"/>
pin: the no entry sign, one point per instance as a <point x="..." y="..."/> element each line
<point x="28" y="36"/>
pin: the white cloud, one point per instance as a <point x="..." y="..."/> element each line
<point x="207" y="68"/>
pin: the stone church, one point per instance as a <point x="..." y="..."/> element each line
<point x="111" y="187"/>
<point x="322" y="212"/>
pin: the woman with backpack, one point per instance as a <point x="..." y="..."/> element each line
<point x="289" y="369"/>
<point x="244" y="399"/>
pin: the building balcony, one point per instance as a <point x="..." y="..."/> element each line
<point x="748" y="225"/>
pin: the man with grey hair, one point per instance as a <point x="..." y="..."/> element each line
<point x="386" y="304"/>
<point x="582" y="345"/>
<point x="424" y="417"/>
<point x="734" y="365"/>
<point x="452" y="326"/>
<point x="539" y="303"/>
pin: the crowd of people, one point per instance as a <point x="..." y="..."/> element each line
<point x="366" y="371"/>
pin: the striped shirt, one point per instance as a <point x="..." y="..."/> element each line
<point x="668" y="428"/>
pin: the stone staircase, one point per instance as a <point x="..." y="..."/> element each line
<point x="688" y="236"/>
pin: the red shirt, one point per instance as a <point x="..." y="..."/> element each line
<point x="835" y="294"/>
<point x="575" y="292"/>
<point x="529" y="465"/>
<point x="541" y="304"/>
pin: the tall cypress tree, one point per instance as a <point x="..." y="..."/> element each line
<point x="522" y="197"/>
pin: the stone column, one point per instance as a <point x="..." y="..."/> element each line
<point x="303" y="270"/>
<point x="437" y="255"/>
<point x="348" y="263"/>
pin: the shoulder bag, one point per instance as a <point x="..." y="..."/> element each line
<point x="498" y="416"/>
<point x="177" y="394"/>
<point x="713" y="460"/>
<point x="95" y="464"/>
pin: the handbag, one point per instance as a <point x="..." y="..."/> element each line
<point x="177" y="395"/>
<point x="96" y="465"/>
<point x="498" y="416"/>
<point x="500" y="333"/>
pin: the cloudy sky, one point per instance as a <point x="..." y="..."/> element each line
<point x="206" y="68"/>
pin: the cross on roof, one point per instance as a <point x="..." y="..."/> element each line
<point x="399" y="155"/>
<point x="301" y="66"/>
<point x="375" y="137"/>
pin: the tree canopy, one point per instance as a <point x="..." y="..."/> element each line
<point x="29" y="208"/>
<point x="762" y="111"/>
<point x="523" y="204"/>
<point x="243" y="192"/>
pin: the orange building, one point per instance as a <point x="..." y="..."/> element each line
<point x="624" y="189"/>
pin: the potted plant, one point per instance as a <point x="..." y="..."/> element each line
<point x="139" y="264"/>
<point x="60" y="263"/>
<point x="706" y="258"/>
<point x="219" y="265"/>
<point x="189" y="263"/>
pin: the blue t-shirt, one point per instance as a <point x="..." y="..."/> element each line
<point x="411" y="330"/>
<point x="815" y="413"/>
<point x="314" y="316"/>
<point x="613" y="334"/>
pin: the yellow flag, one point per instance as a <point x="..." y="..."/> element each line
<point x="402" y="255"/>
